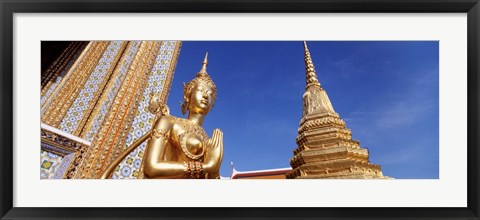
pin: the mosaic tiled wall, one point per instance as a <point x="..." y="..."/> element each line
<point x="86" y="99"/>
<point x="49" y="164"/>
<point x="116" y="82"/>
<point x="51" y="86"/>
<point x="57" y="143"/>
<point x="59" y="103"/>
<point x="157" y="81"/>
<point x="108" y="142"/>
<point x="103" y="98"/>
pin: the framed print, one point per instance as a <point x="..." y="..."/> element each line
<point x="316" y="109"/>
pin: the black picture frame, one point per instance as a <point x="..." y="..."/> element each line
<point x="9" y="7"/>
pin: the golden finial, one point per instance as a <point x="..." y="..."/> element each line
<point x="204" y="64"/>
<point x="310" y="69"/>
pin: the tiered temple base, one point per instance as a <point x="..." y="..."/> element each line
<point x="326" y="150"/>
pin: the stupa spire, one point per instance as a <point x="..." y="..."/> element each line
<point x="310" y="68"/>
<point x="315" y="99"/>
<point x="325" y="148"/>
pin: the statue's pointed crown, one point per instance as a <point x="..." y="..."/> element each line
<point x="309" y="68"/>
<point x="201" y="77"/>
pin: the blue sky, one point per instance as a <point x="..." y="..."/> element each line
<point x="386" y="91"/>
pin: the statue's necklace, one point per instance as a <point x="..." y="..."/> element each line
<point x="191" y="128"/>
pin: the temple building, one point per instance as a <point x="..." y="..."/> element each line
<point x="279" y="173"/>
<point x="325" y="146"/>
<point x="94" y="99"/>
<point x="276" y="173"/>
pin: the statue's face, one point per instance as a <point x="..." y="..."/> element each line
<point x="201" y="99"/>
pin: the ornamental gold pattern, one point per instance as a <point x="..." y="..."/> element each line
<point x="99" y="87"/>
<point x="325" y="148"/>
<point x="98" y="94"/>
<point x="189" y="128"/>
<point x="170" y="60"/>
<point x="71" y="151"/>
<point x="159" y="82"/>
<point x="106" y="100"/>
<point x="113" y="128"/>
<point x="126" y="127"/>
<point x="159" y="134"/>
<point x="65" y="97"/>
<point x="49" y="164"/>
<point x="50" y="91"/>
<point x="99" y="138"/>
<point x="193" y="170"/>
<point x="82" y="106"/>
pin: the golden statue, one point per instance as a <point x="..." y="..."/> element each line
<point x="179" y="147"/>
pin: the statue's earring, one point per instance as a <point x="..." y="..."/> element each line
<point x="154" y="104"/>
<point x="211" y="107"/>
<point x="183" y="107"/>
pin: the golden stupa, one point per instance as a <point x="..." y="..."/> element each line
<point x="325" y="146"/>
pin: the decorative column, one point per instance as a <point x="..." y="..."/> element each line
<point x="101" y="99"/>
<point x="159" y="82"/>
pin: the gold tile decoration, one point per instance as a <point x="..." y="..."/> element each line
<point x="74" y="82"/>
<point x="49" y="164"/>
<point x="106" y="100"/>
<point x="101" y="97"/>
<point x="138" y="96"/>
<point x="159" y="82"/>
<point x="112" y="131"/>
<point x="50" y="91"/>
<point x="82" y="106"/>
<point x="71" y="151"/>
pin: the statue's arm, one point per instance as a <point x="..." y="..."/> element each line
<point x="154" y="164"/>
